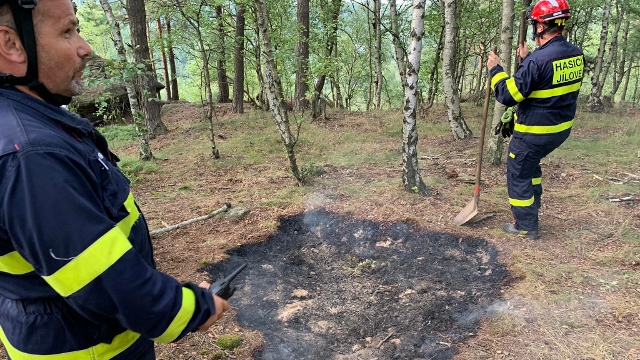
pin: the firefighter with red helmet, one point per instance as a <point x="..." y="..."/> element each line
<point x="545" y="89"/>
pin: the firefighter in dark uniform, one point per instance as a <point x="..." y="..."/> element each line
<point x="545" y="89"/>
<point x="77" y="275"/>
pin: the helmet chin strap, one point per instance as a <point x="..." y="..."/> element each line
<point x="22" y="16"/>
<point x="537" y="34"/>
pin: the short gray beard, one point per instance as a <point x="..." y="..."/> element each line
<point x="77" y="87"/>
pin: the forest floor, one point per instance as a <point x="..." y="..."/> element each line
<point x="351" y="266"/>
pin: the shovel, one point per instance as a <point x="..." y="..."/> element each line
<point x="471" y="209"/>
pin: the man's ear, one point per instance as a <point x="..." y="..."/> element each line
<point x="10" y="46"/>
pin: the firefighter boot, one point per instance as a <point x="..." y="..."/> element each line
<point x="512" y="229"/>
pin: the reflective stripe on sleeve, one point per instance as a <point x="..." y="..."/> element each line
<point x="521" y="203"/>
<point x="549" y="93"/>
<point x="499" y="76"/>
<point x="101" y="351"/>
<point x="13" y="263"/>
<point x="513" y="90"/>
<point x="540" y="129"/>
<point x="536" y="181"/>
<point x="182" y="318"/>
<point x="97" y="258"/>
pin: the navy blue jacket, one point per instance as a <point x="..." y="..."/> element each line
<point x="77" y="276"/>
<point x="545" y="87"/>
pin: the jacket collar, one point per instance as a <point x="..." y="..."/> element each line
<point x="54" y="112"/>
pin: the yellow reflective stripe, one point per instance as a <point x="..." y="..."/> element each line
<point x="512" y="155"/>
<point x="499" y="76"/>
<point x="540" y="129"/>
<point x="14" y="263"/>
<point x="536" y="181"/>
<point x="97" y="258"/>
<point x="513" y="90"/>
<point x="182" y="318"/>
<point x="101" y="351"/>
<point x="521" y="203"/>
<point x="549" y="93"/>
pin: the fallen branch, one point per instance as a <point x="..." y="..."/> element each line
<point x="385" y="339"/>
<point x="226" y="207"/>
<point x="626" y="198"/>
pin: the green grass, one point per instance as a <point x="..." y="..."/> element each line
<point x="118" y="135"/>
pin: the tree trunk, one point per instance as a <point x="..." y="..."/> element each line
<point x="223" y="80"/>
<point x="627" y="75"/>
<point x="620" y="71"/>
<point x="339" y="101"/>
<point x="377" y="54"/>
<point x="434" y="76"/>
<point x="318" y="104"/>
<point x="496" y="142"/>
<point x="138" y="118"/>
<point x="175" y="95"/>
<point x="411" y="178"/>
<point x="399" y="51"/>
<point x="302" y="57"/>
<point x="146" y="83"/>
<point x="163" y="54"/>
<point x="274" y="90"/>
<point x="452" y="98"/>
<point x="238" y="61"/>
<point x="595" y="98"/>
<point x="206" y="75"/>
<point x="613" y="50"/>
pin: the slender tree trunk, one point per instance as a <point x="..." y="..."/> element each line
<point x="452" y="98"/>
<point x="613" y="51"/>
<point x="138" y="117"/>
<point x="146" y="83"/>
<point x="223" y="80"/>
<point x="274" y="90"/>
<point x="339" y="101"/>
<point x="175" y="95"/>
<point x="302" y="57"/>
<point x="377" y="54"/>
<point x="411" y="178"/>
<point x="620" y="71"/>
<point x="238" y="61"/>
<point x="496" y="142"/>
<point x="434" y="77"/>
<point x="318" y="105"/>
<point x="595" y="99"/>
<point x="399" y="51"/>
<point x="165" y="68"/>
<point x="262" y="97"/>
<point x="627" y="75"/>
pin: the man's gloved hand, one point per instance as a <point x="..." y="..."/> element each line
<point x="505" y="126"/>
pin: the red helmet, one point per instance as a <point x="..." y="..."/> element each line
<point x="547" y="10"/>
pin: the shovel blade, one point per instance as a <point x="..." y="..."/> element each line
<point x="467" y="213"/>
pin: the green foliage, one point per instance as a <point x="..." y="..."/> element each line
<point x="229" y="341"/>
<point x="118" y="135"/>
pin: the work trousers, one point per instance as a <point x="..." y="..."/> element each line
<point x="524" y="180"/>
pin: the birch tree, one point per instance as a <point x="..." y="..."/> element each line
<point x="496" y="142"/>
<point x="452" y="97"/>
<point x="273" y="87"/>
<point x="595" y="98"/>
<point x="138" y="116"/>
<point x="411" y="178"/>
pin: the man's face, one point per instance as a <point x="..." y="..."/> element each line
<point x="62" y="52"/>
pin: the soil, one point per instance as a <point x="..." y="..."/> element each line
<point x="327" y="285"/>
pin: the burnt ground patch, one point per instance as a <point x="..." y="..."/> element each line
<point x="329" y="286"/>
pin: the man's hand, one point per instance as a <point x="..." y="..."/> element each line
<point x="493" y="60"/>
<point x="221" y="306"/>
<point x="523" y="51"/>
